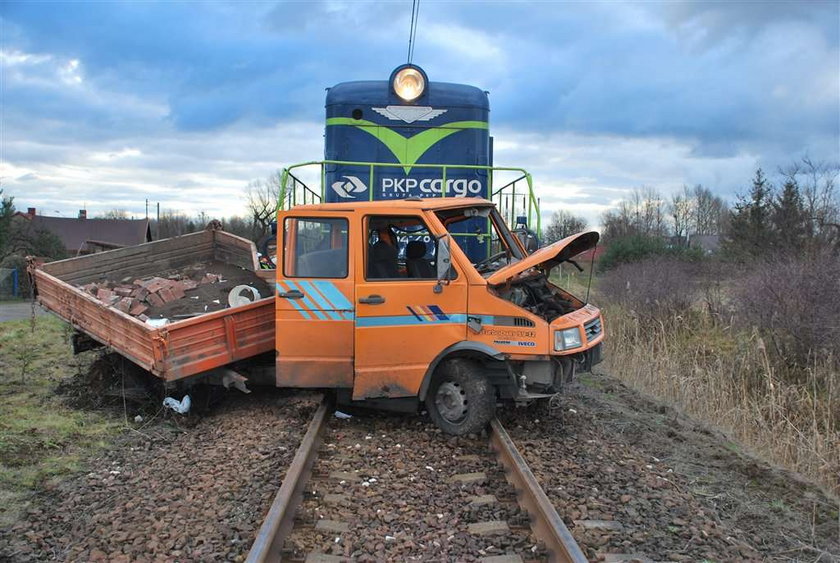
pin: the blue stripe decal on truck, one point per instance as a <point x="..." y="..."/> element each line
<point x="322" y="302"/>
<point x="405" y="320"/>
<point x="294" y="303"/>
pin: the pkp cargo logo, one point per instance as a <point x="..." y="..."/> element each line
<point x="348" y="186"/>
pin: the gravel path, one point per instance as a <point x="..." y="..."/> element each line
<point x="199" y="495"/>
<point x="13" y="311"/>
<point x="401" y="498"/>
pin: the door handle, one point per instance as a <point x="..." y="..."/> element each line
<point x="372" y="300"/>
<point x="293" y="294"/>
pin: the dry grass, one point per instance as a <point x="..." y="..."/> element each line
<point x="725" y="377"/>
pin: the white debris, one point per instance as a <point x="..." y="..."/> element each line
<point x="573" y="411"/>
<point x="342" y="415"/>
<point x="157" y="323"/>
<point x="390" y="538"/>
<point x="181" y="407"/>
<point x="138" y="419"/>
<point x="430" y="468"/>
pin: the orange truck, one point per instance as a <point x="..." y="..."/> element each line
<point x="378" y="301"/>
<point x="375" y="300"/>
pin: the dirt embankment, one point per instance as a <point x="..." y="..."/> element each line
<point x="667" y="487"/>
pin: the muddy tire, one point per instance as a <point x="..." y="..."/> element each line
<point x="460" y="400"/>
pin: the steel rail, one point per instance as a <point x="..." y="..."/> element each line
<point x="546" y="524"/>
<point x="280" y="518"/>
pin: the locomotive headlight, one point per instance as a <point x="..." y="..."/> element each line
<point x="409" y="84"/>
<point x="567" y="339"/>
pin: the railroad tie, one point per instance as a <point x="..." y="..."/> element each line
<point x="344" y="476"/>
<point x="482" y="500"/>
<point x="332" y="526"/>
<point x="468" y="478"/>
<point x="336" y="498"/>
<point x="489" y="527"/>
<point x="501" y="559"/>
<point x="324" y="558"/>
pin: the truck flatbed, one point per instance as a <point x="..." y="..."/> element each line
<point x="183" y="347"/>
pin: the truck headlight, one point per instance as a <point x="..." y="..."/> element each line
<point x="409" y="84"/>
<point x="567" y="339"/>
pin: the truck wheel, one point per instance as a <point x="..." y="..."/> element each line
<point x="460" y="400"/>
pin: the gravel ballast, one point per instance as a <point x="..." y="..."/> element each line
<point x="196" y="494"/>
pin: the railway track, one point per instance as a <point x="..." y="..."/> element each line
<point x="331" y="493"/>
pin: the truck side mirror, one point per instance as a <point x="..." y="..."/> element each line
<point x="444" y="261"/>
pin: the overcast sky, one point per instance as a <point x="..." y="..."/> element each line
<point x="106" y="104"/>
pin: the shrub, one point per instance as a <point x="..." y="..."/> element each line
<point x="652" y="289"/>
<point x="795" y="304"/>
<point x="635" y="248"/>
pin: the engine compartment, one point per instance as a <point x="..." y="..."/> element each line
<point x="539" y="296"/>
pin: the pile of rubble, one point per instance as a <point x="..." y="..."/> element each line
<point x="137" y="297"/>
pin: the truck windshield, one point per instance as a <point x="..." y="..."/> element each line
<point x="497" y="246"/>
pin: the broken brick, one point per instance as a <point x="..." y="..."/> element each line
<point x="123" y="291"/>
<point x="142" y="317"/>
<point x="140" y="293"/>
<point x="166" y="295"/>
<point x="138" y="308"/>
<point x="189" y="284"/>
<point x="177" y="290"/>
<point x="105" y="295"/>
<point x="123" y="304"/>
<point x="154" y="300"/>
<point x="90" y="288"/>
<point x="156" y="284"/>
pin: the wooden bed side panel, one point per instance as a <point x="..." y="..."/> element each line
<point x="199" y="346"/>
<point x="235" y="250"/>
<point x="135" y="261"/>
<point x="131" y="338"/>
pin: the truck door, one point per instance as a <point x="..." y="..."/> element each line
<point x="314" y="304"/>
<point x="401" y="322"/>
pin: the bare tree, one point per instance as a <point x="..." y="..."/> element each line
<point x="172" y="224"/>
<point x="709" y="211"/>
<point x="680" y="209"/>
<point x="561" y="225"/>
<point x="817" y="182"/>
<point x="114" y="214"/>
<point x="262" y="200"/>
<point x="643" y="213"/>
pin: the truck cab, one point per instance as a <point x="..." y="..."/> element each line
<point x="379" y="301"/>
